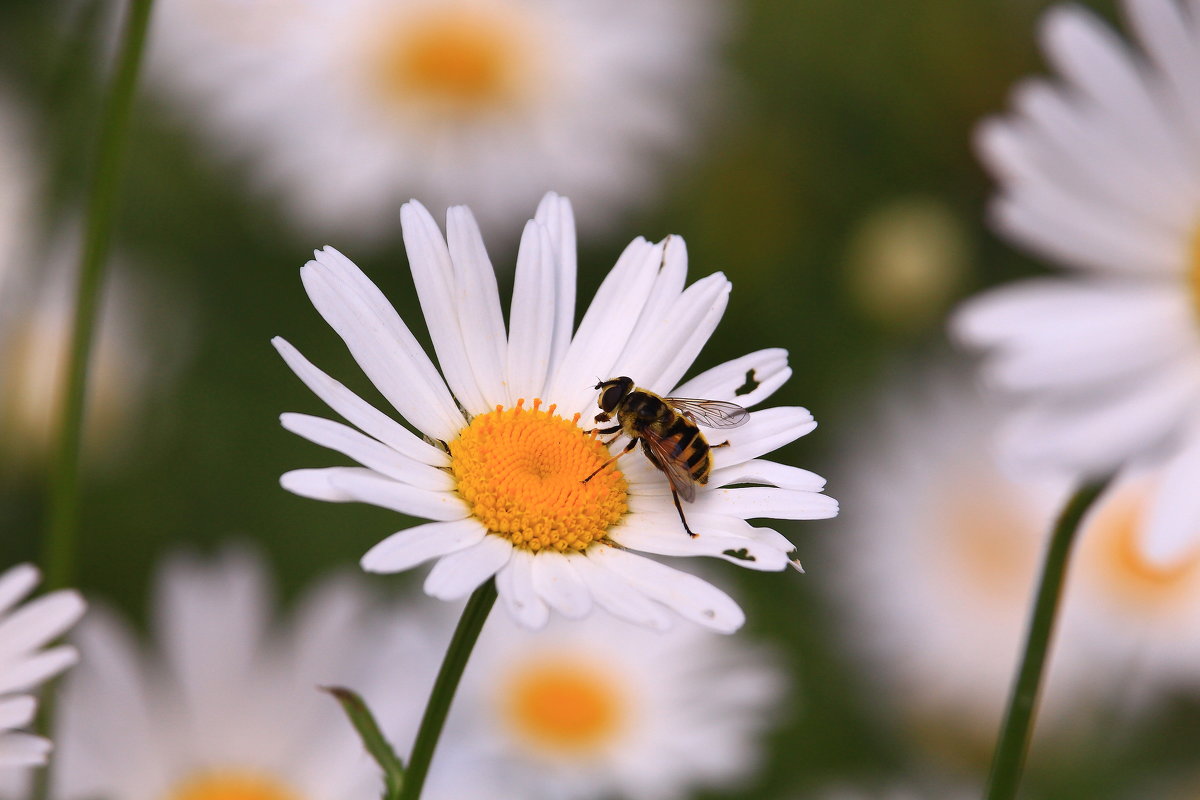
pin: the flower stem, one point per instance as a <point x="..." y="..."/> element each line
<point x="1013" y="743"/>
<point x="465" y="635"/>
<point x="63" y="509"/>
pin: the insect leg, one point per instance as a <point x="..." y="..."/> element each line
<point x="722" y="444"/>
<point x="605" y="431"/>
<point x="679" y="508"/>
<point x="632" y="444"/>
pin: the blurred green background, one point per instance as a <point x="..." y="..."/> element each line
<point x="847" y="125"/>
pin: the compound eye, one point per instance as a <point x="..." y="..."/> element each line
<point x="610" y="397"/>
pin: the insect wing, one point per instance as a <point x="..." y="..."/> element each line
<point x="710" y="413"/>
<point x="666" y="457"/>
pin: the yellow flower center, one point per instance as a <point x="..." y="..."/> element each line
<point x="234" y="784"/>
<point x="564" y="704"/>
<point x="1116" y="558"/>
<point x="453" y="58"/>
<point x="521" y="470"/>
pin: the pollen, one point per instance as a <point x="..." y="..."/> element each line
<point x="564" y="704"/>
<point x="231" y="785"/>
<point x="521" y="470"/>
<point x="453" y="58"/>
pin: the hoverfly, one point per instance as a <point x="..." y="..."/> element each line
<point x="667" y="428"/>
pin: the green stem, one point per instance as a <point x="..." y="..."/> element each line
<point x="1013" y="743"/>
<point x="63" y="509"/>
<point x="469" y="626"/>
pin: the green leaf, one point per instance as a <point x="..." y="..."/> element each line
<point x="372" y="738"/>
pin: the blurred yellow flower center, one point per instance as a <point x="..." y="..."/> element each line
<point x="1194" y="269"/>
<point x="521" y="470"/>
<point x="454" y="58"/>
<point x="1116" y="555"/>
<point x="231" y="785"/>
<point x="564" y="704"/>
<point x="983" y="525"/>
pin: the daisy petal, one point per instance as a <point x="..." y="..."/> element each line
<point x="767" y="430"/>
<point x="661" y="533"/>
<point x="413" y="546"/>
<point x="556" y="582"/>
<point x="375" y="489"/>
<point x="316" y="484"/>
<point x="664" y="294"/>
<point x="1173" y="523"/>
<point x="689" y="596"/>
<point x="381" y="344"/>
<point x="23" y="750"/>
<point x="605" y="327"/>
<point x="477" y="303"/>
<point x="458" y="574"/>
<point x="620" y="597"/>
<point x="514" y="584"/>
<point x="16" y="712"/>
<point x="555" y="214"/>
<point x="1092" y="434"/>
<point x="760" y="502"/>
<point x="358" y="412"/>
<point x="16" y="584"/>
<point x="673" y="343"/>
<point x="434" y="279"/>
<point x="531" y="319"/>
<point x="1091" y="56"/>
<point x="39" y="621"/>
<point x="746" y="381"/>
<point x="32" y="670"/>
<point x="368" y="452"/>
<point x="769" y="473"/>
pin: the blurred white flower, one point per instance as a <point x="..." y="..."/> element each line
<point x="506" y="447"/>
<point x="950" y="545"/>
<point x="26" y="661"/>
<point x="226" y="704"/>
<point x="346" y="108"/>
<point x="1100" y="171"/>
<point x="600" y="709"/>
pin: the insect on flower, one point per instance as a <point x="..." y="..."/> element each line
<point x="667" y="428"/>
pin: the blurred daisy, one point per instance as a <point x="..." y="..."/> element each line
<point x="951" y="543"/>
<point x="600" y="709"/>
<point x="36" y="321"/>
<point x="1100" y="171"/>
<point x="228" y="705"/>
<point x="26" y="661"/>
<point x="950" y="546"/>
<point x="346" y="108"/>
<point x="506" y="432"/>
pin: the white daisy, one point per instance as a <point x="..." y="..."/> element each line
<point x="506" y="447"/>
<point x="227" y="703"/>
<point x="600" y="708"/>
<point x="345" y="108"/>
<point x="26" y="661"/>
<point x="1100" y="171"/>
<point x="950" y="545"/>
